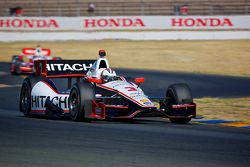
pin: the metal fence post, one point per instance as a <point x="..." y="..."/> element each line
<point x="107" y="8"/>
<point x="211" y="9"/>
<point x="246" y="10"/>
<point x="40" y="8"/>
<point x="78" y="10"/>
<point x="142" y="7"/>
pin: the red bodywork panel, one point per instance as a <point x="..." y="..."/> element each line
<point x="26" y="69"/>
<point x="139" y="80"/>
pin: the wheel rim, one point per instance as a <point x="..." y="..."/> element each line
<point x="74" y="104"/>
<point x="171" y="97"/>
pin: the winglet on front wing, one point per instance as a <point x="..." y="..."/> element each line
<point x="181" y="110"/>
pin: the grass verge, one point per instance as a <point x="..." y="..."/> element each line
<point x="225" y="57"/>
<point x="236" y="109"/>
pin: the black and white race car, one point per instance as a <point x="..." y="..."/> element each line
<point x="98" y="93"/>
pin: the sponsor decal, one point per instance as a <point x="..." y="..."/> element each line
<point x="62" y="67"/>
<point x="131" y="89"/>
<point x="144" y="100"/>
<point x="117" y="84"/>
<point x="28" y="23"/>
<point x="136" y="95"/>
<point x="201" y="22"/>
<point x="113" y="22"/>
<point x="98" y="111"/>
<point x="124" y="22"/>
<point x="39" y="101"/>
<point x="147" y="22"/>
<point x="148" y="104"/>
<point x="68" y="67"/>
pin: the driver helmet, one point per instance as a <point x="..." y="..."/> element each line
<point x="108" y="75"/>
<point x="38" y="51"/>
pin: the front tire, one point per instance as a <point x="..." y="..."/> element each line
<point x="14" y="67"/>
<point x="80" y="101"/>
<point x="179" y="94"/>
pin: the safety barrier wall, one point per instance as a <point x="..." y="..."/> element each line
<point x="74" y="8"/>
<point x="126" y="23"/>
<point x="96" y="28"/>
<point x="148" y="35"/>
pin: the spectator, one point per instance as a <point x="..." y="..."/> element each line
<point x="184" y="9"/>
<point x="91" y="7"/>
<point x="181" y="9"/>
<point x="17" y="11"/>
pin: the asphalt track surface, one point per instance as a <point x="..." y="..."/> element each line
<point x="147" y="142"/>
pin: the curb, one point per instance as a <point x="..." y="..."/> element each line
<point x="238" y="124"/>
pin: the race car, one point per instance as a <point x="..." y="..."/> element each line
<point x="23" y="63"/>
<point x="98" y="94"/>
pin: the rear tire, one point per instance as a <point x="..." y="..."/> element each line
<point x="80" y="101"/>
<point x="179" y="94"/>
<point x="25" y="95"/>
<point x="25" y="98"/>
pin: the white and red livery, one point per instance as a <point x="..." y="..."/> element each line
<point x="23" y="63"/>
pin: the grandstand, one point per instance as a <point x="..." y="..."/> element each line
<point x="126" y="7"/>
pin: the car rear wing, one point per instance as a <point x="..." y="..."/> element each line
<point x="32" y="51"/>
<point x="62" y="68"/>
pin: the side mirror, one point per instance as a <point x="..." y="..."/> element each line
<point x="95" y="80"/>
<point x="139" y="80"/>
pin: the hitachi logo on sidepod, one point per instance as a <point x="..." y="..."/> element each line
<point x="68" y="67"/>
<point x="39" y="101"/>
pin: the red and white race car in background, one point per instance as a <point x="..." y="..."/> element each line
<point x="24" y="63"/>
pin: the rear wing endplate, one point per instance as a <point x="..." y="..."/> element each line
<point x="62" y="68"/>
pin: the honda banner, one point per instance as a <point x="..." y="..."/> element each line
<point x="125" y="23"/>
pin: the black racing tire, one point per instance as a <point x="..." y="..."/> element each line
<point x="179" y="93"/>
<point x="25" y="98"/>
<point x="25" y="95"/>
<point x="180" y="120"/>
<point x="80" y="100"/>
<point x="13" y="71"/>
<point x="17" y="70"/>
